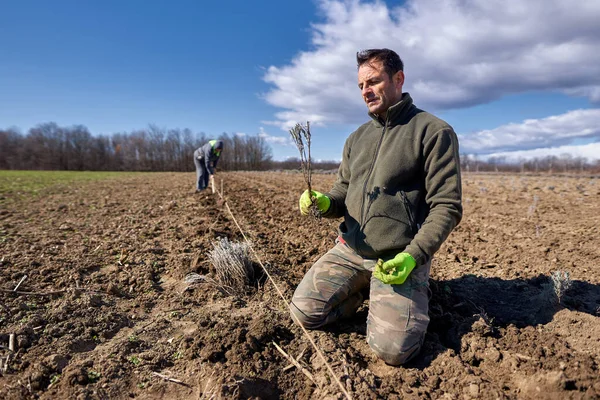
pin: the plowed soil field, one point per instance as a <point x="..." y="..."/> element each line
<point x="105" y="312"/>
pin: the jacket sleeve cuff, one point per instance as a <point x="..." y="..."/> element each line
<point x="420" y="257"/>
<point x="334" y="210"/>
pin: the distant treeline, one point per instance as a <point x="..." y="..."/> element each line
<point x="52" y="147"/>
<point x="566" y="163"/>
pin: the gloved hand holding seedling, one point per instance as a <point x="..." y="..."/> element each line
<point x="318" y="199"/>
<point x="317" y="203"/>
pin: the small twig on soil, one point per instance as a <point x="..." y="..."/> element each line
<point x="175" y="309"/>
<point x="288" y="367"/>
<point x="347" y="371"/>
<point x="301" y="354"/>
<point x="166" y="378"/>
<point x="21" y="281"/>
<point x="298" y="357"/>
<point x="457" y="305"/>
<point x="11" y="342"/>
<point x="523" y="357"/>
<point x="296" y="363"/>
<point x="123" y="260"/>
<point x="6" y="363"/>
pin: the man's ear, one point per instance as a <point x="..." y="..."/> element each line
<point x="399" y="80"/>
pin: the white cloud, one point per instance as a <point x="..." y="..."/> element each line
<point x="280" y="140"/>
<point x="589" y="151"/>
<point x="553" y="131"/>
<point x="457" y="53"/>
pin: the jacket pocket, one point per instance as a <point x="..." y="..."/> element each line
<point x="388" y="228"/>
<point x="410" y="213"/>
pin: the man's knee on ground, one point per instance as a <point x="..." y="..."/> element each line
<point x="306" y="317"/>
<point x="396" y="349"/>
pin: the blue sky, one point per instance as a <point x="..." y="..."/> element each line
<point x="500" y="72"/>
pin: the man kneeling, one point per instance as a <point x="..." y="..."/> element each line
<point x="399" y="192"/>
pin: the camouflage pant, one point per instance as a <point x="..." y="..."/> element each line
<point x="398" y="314"/>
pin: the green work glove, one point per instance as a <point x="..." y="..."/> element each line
<point x="323" y="202"/>
<point x="396" y="270"/>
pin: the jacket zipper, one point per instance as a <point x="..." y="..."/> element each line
<point x="408" y="207"/>
<point x="362" y="206"/>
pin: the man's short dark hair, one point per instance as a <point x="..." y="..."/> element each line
<point x="391" y="60"/>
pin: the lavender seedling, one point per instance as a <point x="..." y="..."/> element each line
<point x="301" y="134"/>
<point x="233" y="265"/>
<point x="561" y="281"/>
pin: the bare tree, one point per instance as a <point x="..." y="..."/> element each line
<point x="11" y="144"/>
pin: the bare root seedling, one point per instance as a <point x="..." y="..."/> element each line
<point x="532" y="207"/>
<point x="301" y="134"/>
<point x="233" y="265"/>
<point x="561" y="281"/>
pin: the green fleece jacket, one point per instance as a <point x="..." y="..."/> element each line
<point x="398" y="186"/>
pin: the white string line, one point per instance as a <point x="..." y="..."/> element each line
<point x="284" y="300"/>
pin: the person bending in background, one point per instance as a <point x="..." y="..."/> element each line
<point x="205" y="159"/>
<point x="399" y="192"/>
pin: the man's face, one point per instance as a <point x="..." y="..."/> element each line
<point x="378" y="90"/>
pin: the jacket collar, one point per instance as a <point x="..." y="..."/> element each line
<point x="395" y="113"/>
